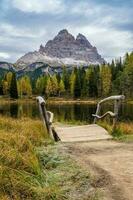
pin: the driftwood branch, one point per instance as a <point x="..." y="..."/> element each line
<point x="104" y="115"/>
<point x="117" y="97"/>
<point x="117" y="101"/>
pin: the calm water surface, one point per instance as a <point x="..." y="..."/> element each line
<point x="63" y="112"/>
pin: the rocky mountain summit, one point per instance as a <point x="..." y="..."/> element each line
<point x="64" y="49"/>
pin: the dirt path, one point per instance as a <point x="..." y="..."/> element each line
<point x="110" y="162"/>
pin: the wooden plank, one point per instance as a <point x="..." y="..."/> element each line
<point x="82" y="133"/>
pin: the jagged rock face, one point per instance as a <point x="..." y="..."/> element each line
<point x="64" y="49"/>
<point x="35" y="57"/>
<point x="64" y="45"/>
<point x="82" y="41"/>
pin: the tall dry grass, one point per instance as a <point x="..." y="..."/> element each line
<point x="21" y="172"/>
<point x="122" y="132"/>
<point x="30" y="169"/>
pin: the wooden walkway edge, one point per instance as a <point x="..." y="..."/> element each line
<point x="82" y="133"/>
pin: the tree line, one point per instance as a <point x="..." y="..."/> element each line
<point x="92" y="82"/>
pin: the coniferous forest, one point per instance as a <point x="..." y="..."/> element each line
<point x="92" y="82"/>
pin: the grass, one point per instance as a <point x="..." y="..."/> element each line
<point x="75" y="182"/>
<point x="122" y="132"/>
<point x="32" y="168"/>
<point x="21" y="174"/>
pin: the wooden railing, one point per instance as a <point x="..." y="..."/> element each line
<point x="117" y="101"/>
<point x="47" y="118"/>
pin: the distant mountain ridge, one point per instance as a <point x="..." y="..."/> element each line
<point x="64" y="49"/>
<point x="7" y="66"/>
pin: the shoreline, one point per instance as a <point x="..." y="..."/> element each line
<point x="56" y="100"/>
<point x="49" y="100"/>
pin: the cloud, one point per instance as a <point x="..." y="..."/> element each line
<point x="13" y="31"/>
<point x="16" y="41"/>
<point x="104" y="14"/>
<point x="107" y="27"/>
<point x="39" y="6"/>
<point x="4" y="55"/>
<point x="25" y="24"/>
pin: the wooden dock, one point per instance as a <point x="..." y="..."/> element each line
<point x="82" y="133"/>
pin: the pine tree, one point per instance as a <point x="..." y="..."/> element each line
<point x="49" y="88"/>
<point x="52" y="86"/>
<point x="24" y="86"/>
<point x="83" y="83"/>
<point x="87" y="83"/>
<point x="13" y="87"/>
<point x="106" y="77"/>
<point x="72" y="83"/>
<point x="91" y="82"/>
<point x="58" y="76"/>
<point x="1" y="87"/>
<point x="61" y="87"/>
<point x="112" y="66"/>
<point x="92" y="86"/>
<point x="77" y="85"/>
<point x="40" y="85"/>
<point x="6" y="82"/>
<point x="127" y="76"/>
<point x="66" y="78"/>
<point x="5" y="87"/>
<point x="97" y="82"/>
<point x="55" y="85"/>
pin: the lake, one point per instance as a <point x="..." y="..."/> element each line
<point x="63" y="112"/>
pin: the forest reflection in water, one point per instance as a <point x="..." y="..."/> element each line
<point x="63" y="112"/>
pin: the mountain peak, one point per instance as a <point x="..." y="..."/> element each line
<point x="63" y="31"/>
<point x="80" y="36"/>
<point x="63" y="35"/>
<point x="65" y="49"/>
<point x="82" y="40"/>
<point x="41" y="49"/>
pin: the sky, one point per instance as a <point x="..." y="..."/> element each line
<point x="25" y="24"/>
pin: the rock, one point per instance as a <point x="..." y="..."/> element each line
<point x="61" y="46"/>
<point x="41" y="48"/>
<point x="82" y="41"/>
<point x="64" y="49"/>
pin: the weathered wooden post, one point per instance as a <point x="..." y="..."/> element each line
<point x="117" y="103"/>
<point x="47" y="117"/>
